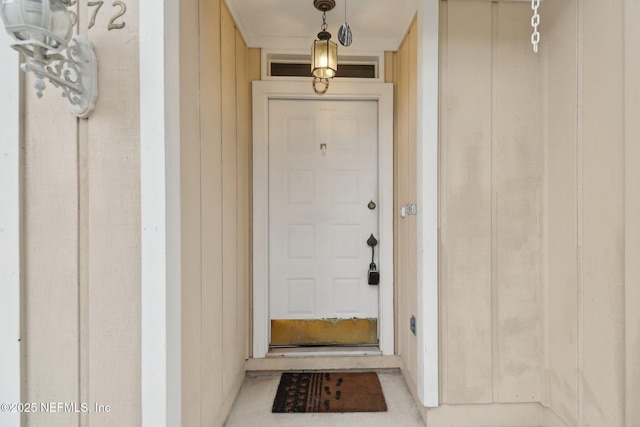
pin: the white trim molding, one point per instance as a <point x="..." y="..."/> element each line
<point x="10" y="277"/>
<point x="269" y="56"/>
<point x="263" y="91"/>
<point x="428" y="107"/>
<point x="160" y="206"/>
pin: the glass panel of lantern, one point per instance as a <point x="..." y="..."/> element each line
<point x="324" y="59"/>
<point x="42" y="23"/>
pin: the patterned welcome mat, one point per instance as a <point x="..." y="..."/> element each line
<point x="329" y="392"/>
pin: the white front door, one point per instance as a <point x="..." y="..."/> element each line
<point x="323" y="197"/>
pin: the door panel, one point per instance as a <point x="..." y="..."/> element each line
<point x="323" y="172"/>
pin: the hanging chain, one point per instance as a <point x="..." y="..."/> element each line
<point x="324" y="21"/>
<point x="535" y="21"/>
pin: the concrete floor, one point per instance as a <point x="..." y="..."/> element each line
<point x="253" y="407"/>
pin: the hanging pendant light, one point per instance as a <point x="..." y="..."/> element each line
<point x="324" y="56"/>
<point x="324" y="52"/>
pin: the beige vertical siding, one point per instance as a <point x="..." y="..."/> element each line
<point x="632" y="212"/>
<point x="50" y="287"/>
<point x="466" y="203"/>
<point x="586" y="213"/>
<point x="206" y="384"/>
<point x="216" y="128"/>
<point x="232" y="361"/>
<point x="194" y="296"/>
<point x="82" y="227"/>
<point x="82" y="240"/>
<point x="601" y="213"/>
<point x="560" y="79"/>
<point x="111" y="226"/>
<point x="404" y="79"/>
<point x="491" y="170"/>
<point x="490" y="204"/>
<point x="244" y="75"/>
<point x="517" y="207"/>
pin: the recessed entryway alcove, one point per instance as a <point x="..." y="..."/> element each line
<point x="204" y="237"/>
<point x="349" y="184"/>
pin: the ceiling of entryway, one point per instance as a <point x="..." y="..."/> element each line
<point x="377" y="25"/>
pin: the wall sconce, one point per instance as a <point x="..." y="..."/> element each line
<point x="42" y="30"/>
<point x="324" y="52"/>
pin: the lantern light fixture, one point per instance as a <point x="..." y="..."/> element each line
<point x="324" y="52"/>
<point x="42" y="30"/>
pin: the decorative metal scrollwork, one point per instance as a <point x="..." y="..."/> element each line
<point x="76" y="75"/>
<point x="66" y="75"/>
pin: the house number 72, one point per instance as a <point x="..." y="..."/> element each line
<point x="113" y="25"/>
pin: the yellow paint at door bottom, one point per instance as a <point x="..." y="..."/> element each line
<point x="290" y="332"/>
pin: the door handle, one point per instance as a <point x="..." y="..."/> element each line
<point x="373" y="274"/>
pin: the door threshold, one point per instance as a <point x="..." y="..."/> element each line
<point x="300" y="361"/>
<point x="322" y="351"/>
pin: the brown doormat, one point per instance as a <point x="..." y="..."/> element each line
<point x="329" y="392"/>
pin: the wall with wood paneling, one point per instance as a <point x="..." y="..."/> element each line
<point x="591" y="200"/>
<point x="81" y="286"/>
<point x="217" y="68"/>
<point x="402" y="72"/>
<point x="491" y="168"/>
<point x="632" y="211"/>
<point x="490" y="205"/>
<point x="540" y="193"/>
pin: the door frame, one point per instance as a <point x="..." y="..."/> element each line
<point x="263" y="92"/>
